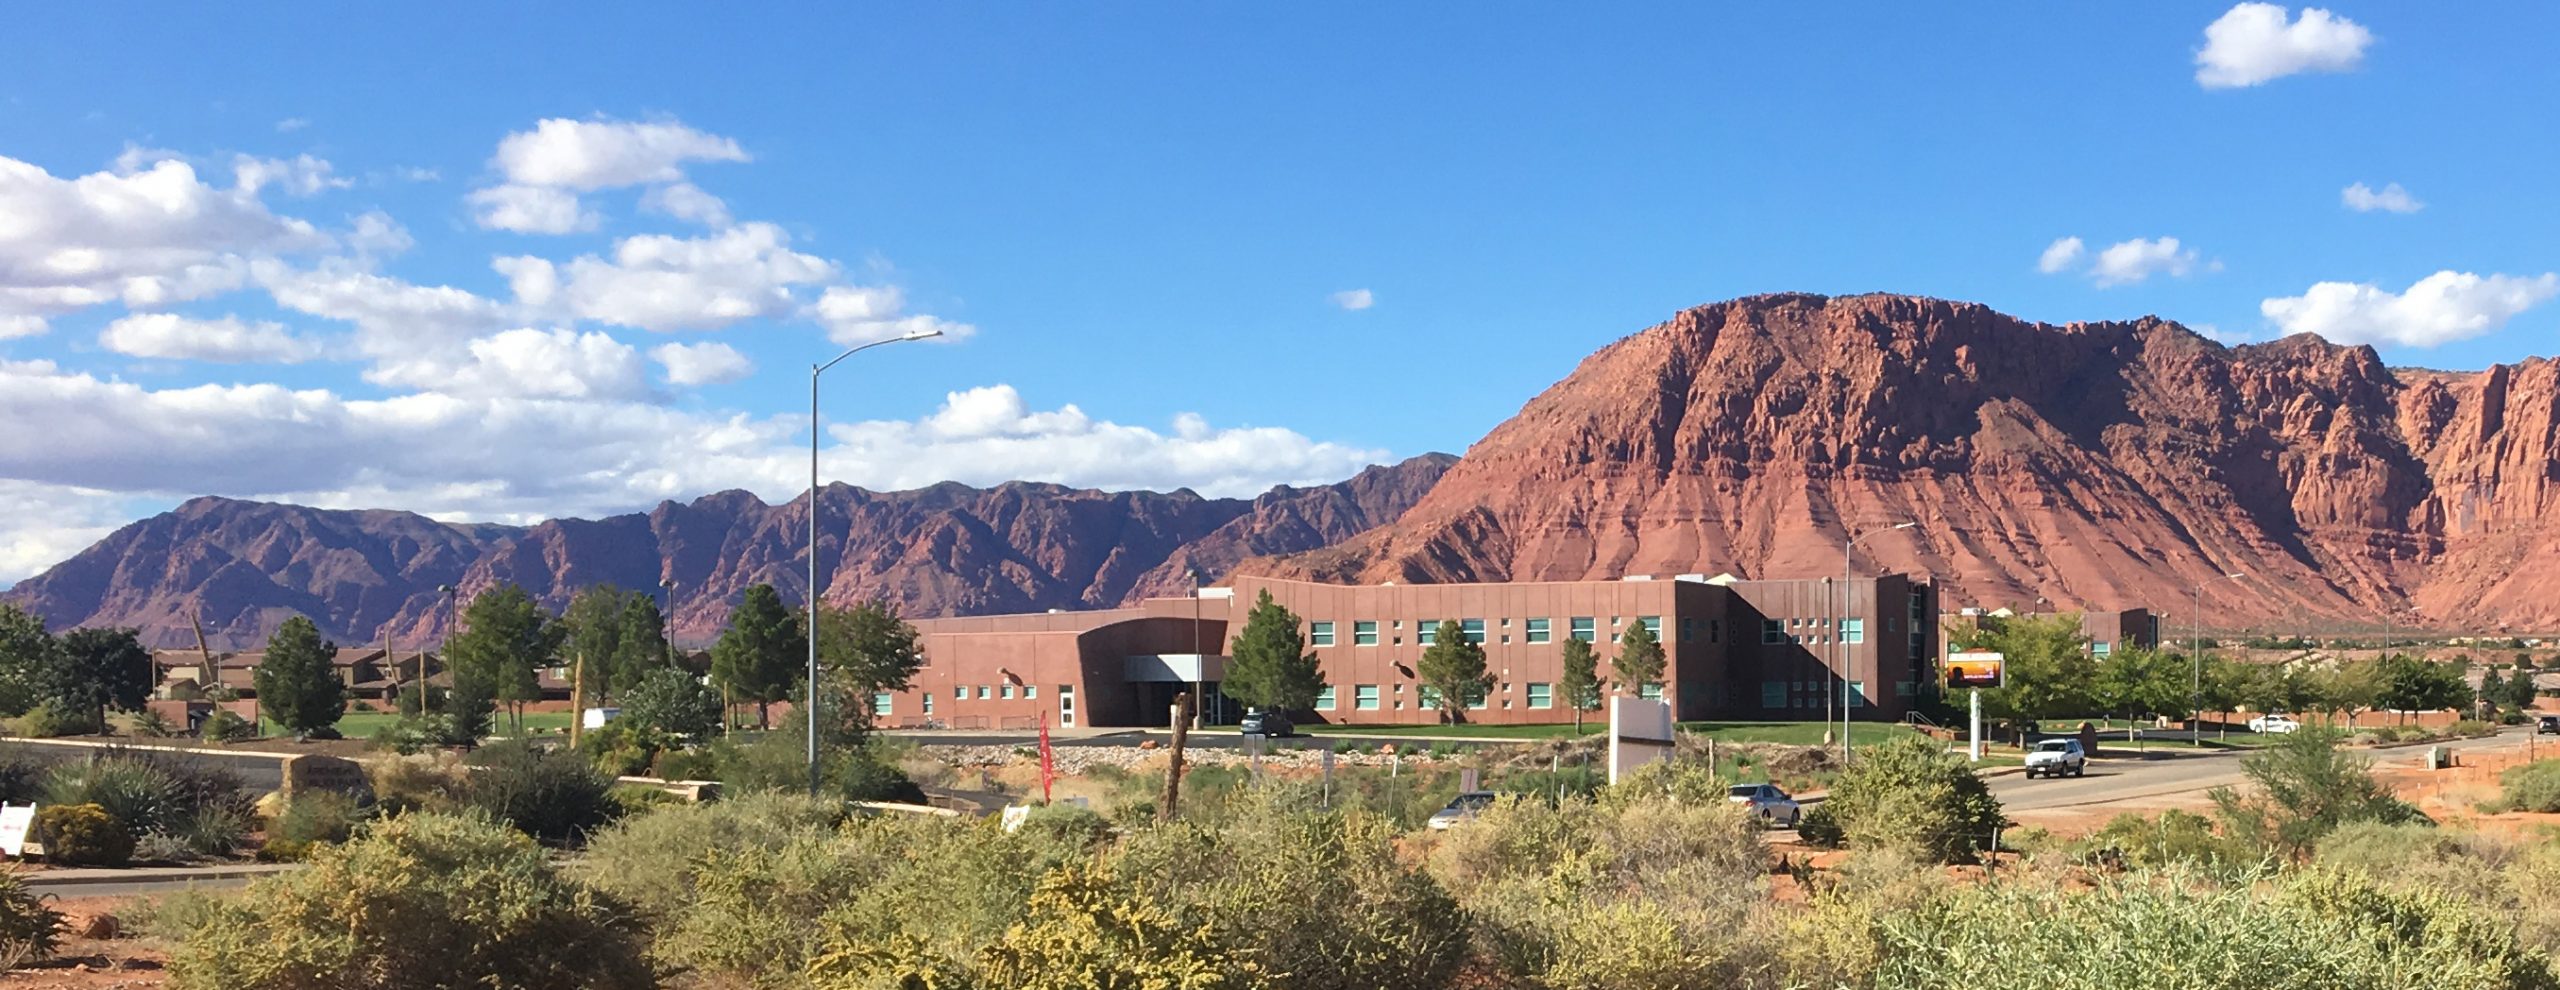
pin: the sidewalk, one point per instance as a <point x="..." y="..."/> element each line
<point x="154" y="874"/>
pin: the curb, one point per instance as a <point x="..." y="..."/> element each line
<point x="144" y="744"/>
<point x="82" y="878"/>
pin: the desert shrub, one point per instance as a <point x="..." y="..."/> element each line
<point x="2532" y="786"/>
<point x="419" y="901"/>
<point x="213" y="829"/>
<point x="149" y="724"/>
<point x="139" y="795"/>
<point x="172" y="916"/>
<point x="29" y="928"/>
<point x="415" y="783"/>
<point x="686" y="764"/>
<point x="648" y="860"/>
<point x="21" y="781"/>
<point x="623" y="748"/>
<point x="53" y="718"/>
<point x="1682" y="781"/>
<point x="223" y="726"/>
<point x="310" y="820"/>
<point x="1067" y="825"/>
<point x="83" y="835"/>
<point x="2468" y="728"/>
<point x="1820" y="828"/>
<point x="1913" y="795"/>
<point x="2153" y="930"/>
<point x="2170" y="838"/>
<point x="777" y="761"/>
<point x="554" y="796"/>
<point x="633" y="799"/>
<point x="2305" y="786"/>
<point x="1081" y="931"/>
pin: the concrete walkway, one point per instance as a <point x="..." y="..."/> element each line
<point x="155" y="875"/>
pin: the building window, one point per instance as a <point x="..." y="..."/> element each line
<point x="1542" y="696"/>
<point x="1426" y="632"/>
<point x="1651" y="691"/>
<point x="880" y="702"/>
<point x="1904" y="689"/>
<point x="1773" y="694"/>
<point x="1476" y="698"/>
<point x="1005" y="691"/>
<point x="1688" y="629"/>
<point x="1538" y="631"/>
<point x="1853" y="631"/>
<point x="1772" y="632"/>
<point x="1364" y="697"/>
<point x="928" y="702"/>
<point x="1583" y="628"/>
<point x="1857" y="694"/>
<point x="1652" y="624"/>
<point x="1031" y="690"/>
<point x="1474" y="628"/>
<point x="1320" y="633"/>
<point x="1430" y="697"/>
<point x="1364" y="632"/>
<point x="960" y="693"/>
<point x="2101" y="649"/>
<point x="1715" y="630"/>
<point x="1324" y="698"/>
<point x="982" y="696"/>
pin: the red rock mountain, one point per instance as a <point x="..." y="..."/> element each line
<point x="2091" y="464"/>
<point x="945" y="550"/>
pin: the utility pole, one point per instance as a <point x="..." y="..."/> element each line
<point x="1173" y="773"/>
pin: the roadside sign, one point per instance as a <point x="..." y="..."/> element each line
<point x="1467" y="779"/>
<point x="15" y="820"/>
<point x="1974" y="669"/>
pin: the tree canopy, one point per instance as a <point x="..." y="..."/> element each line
<point x="298" y="685"/>
<point x="759" y="656"/>
<point x="1268" y="665"/>
<point x="1453" y="668"/>
<point x="1640" y="658"/>
<point x="862" y="651"/>
<point x="506" y="639"/>
<point x="1578" y="681"/>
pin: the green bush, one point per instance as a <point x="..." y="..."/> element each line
<point x="1067" y="825"/>
<point x="29" y="928"/>
<point x="312" y="819"/>
<point x="223" y="726"/>
<point x="2171" y="838"/>
<point x="1820" y="828"/>
<point x="554" y="796"/>
<point x="777" y="761"/>
<point x="83" y="835"/>
<point x="1081" y="931"/>
<point x="2532" y="786"/>
<point x="1912" y="795"/>
<point x="2305" y="786"/>
<point x="648" y="860"/>
<point x="214" y="830"/>
<point x="422" y="900"/>
<point x="415" y="783"/>
<point x="21" y="781"/>
<point x="2469" y="728"/>
<point x="141" y="796"/>
<point x="51" y="718"/>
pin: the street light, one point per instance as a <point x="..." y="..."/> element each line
<point x="2195" y="687"/>
<point x="1840" y="644"/>
<point x="814" y="371"/>
<point x="452" y="627"/>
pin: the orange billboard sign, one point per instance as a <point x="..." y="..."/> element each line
<point x="1974" y="669"/>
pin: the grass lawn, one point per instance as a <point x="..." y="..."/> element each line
<point x="362" y="725"/>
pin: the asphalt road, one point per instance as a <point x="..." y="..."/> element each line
<point x="1132" y="737"/>
<point x="2116" y="779"/>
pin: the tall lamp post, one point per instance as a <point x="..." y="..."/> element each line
<point x="452" y="627"/>
<point x="1839" y="620"/>
<point x="814" y="371"/>
<point x="2195" y="644"/>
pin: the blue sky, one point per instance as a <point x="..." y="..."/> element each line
<point x="1146" y="212"/>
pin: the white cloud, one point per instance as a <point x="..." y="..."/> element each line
<point x="228" y="339"/>
<point x="2364" y="199"/>
<point x="2128" y="262"/>
<point x="149" y="236"/>
<point x="855" y="314"/>
<point x="1353" y="299"/>
<point x="374" y="234"/>
<point x="531" y="210"/>
<point x="686" y="201"/>
<point x="547" y="167"/>
<point x="301" y="175"/>
<point x="291" y="124"/>
<point x="21" y="326"/>
<point x="559" y="364"/>
<point x="2253" y="43"/>
<point x="413" y="173"/>
<point x="656" y="282"/>
<point x="42" y="525"/>
<point x="2440" y="308"/>
<point x="2059" y="255"/>
<point x="702" y="364"/>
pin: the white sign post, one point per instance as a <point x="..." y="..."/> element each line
<point x="1639" y="733"/>
<point x="1973" y="735"/>
<point x="15" y="820"/>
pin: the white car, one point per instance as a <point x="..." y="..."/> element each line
<point x="2274" y="723"/>
<point x="1461" y="809"/>
<point x="2057" y="758"/>
<point x="1767" y="803"/>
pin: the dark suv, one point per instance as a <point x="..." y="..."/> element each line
<point x="2548" y="725"/>
<point x="1269" y="725"/>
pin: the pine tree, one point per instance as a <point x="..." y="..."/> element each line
<point x="759" y="655"/>
<point x="593" y="639"/>
<point x="642" y="649"/>
<point x="1639" y="658"/>
<point x="1268" y="666"/>
<point x="298" y="686"/>
<point x="97" y="669"/>
<point x="1453" y="667"/>
<point x="508" y="638"/>
<point x="1579" y="679"/>
<point x="862" y="651"/>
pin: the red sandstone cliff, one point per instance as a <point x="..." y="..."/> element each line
<point x="2098" y="464"/>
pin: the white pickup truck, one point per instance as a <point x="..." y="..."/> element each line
<point x="2057" y="757"/>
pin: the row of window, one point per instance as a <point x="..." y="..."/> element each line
<point x="1808" y="694"/>
<point x="1364" y="632"/>
<point x="1367" y="697"/>
<point x="881" y="700"/>
<point x="1774" y="632"/>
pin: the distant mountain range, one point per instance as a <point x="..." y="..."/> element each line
<point x="2103" y="465"/>
<point x="948" y="549"/>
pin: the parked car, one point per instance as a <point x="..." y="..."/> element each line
<point x="1270" y="725"/>
<point x="2548" y="725"/>
<point x="1767" y="803"/>
<point x="1461" y="808"/>
<point x="2274" y="723"/>
<point x="2057" y="757"/>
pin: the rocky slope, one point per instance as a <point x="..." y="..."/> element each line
<point x="949" y="549"/>
<point x="2094" y="464"/>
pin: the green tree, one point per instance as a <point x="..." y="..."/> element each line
<point x="1640" y="658"/>
<point x="508" y="638"/>
<point x="298" y="685"/>
<point x="863" y="651"/>
<point x="592" y="638"/>
<point x="1578" y="679"/>
<point x="26" y="651"/>
<point x="2520" y="691"/>
<point x="758" y="657"/>
<point x="1453" y="667"/>
<point x="1913" y="795"/>
<point x="2048" y="671"/>
<point x="642" y="650"/>
<point x="2136" y="682"/>
<point x="1268" y="665"/>
<point x="93" y="670"/>
<point x="2305" y="788"/>
<point x="671" y="701"/>
<point x="2409" y="684"/>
